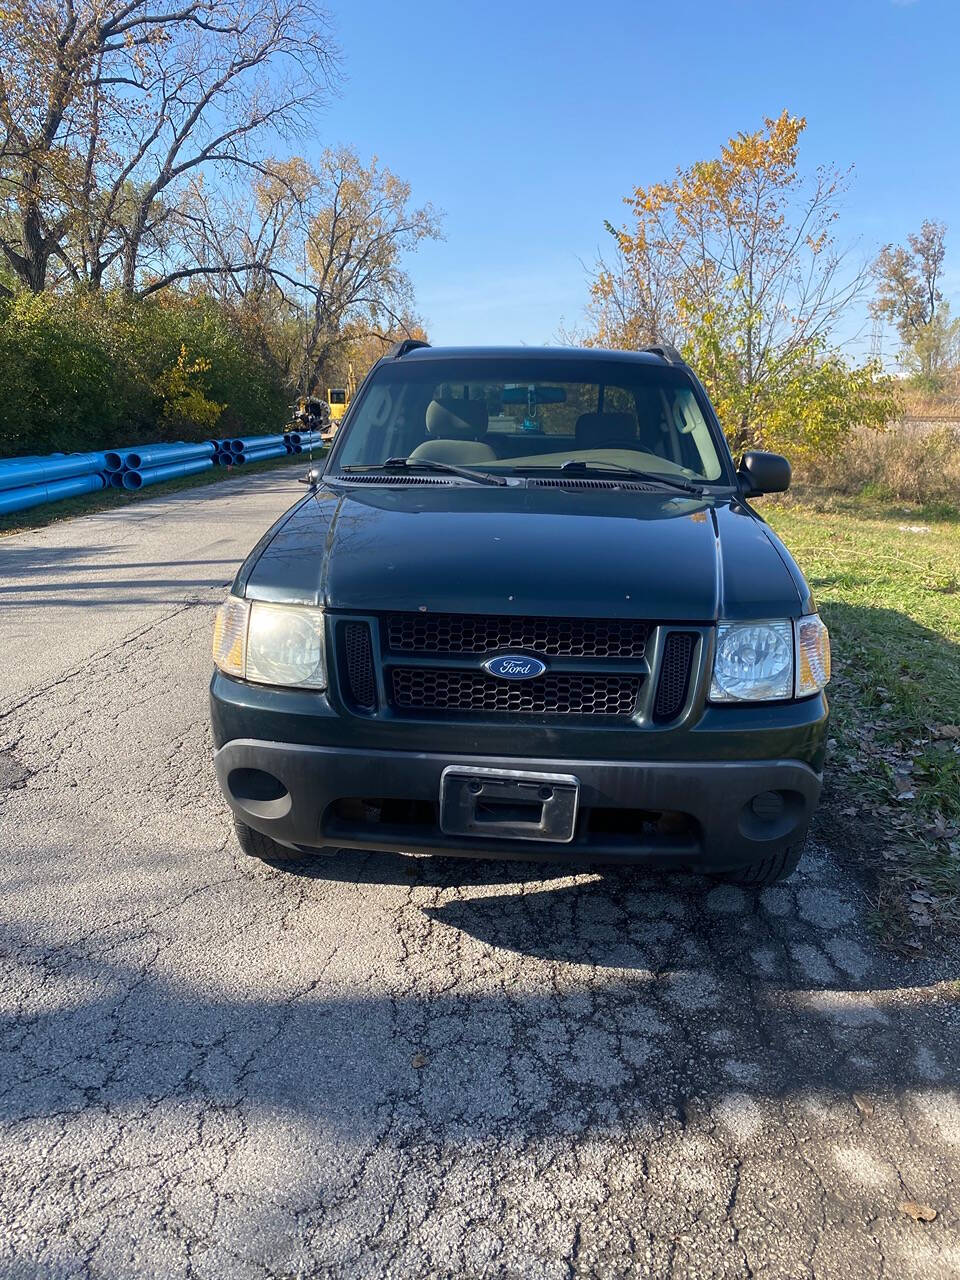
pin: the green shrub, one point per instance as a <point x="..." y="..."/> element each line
<point x="92" y="371"/>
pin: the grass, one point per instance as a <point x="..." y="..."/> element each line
<point x="107" y="499"/>
<point x="887" y="581"/>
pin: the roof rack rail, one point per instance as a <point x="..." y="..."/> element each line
<point x="408" y="344"/>
<point x="666" y="352"/>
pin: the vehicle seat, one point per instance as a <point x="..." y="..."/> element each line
<point x="606" y="431"/>
<point x="454" y="428"/>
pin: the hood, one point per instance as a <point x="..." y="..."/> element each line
<point x="555" y="552"/>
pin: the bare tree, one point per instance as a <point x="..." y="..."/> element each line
<point x="109" y="108"/>
<point x="909" y="295"/>
<point x="320" y="246"/>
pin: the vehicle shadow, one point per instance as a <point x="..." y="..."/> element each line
<point x="532" y="1011"/>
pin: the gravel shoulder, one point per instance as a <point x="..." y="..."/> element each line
<point x="376" y="1066"/>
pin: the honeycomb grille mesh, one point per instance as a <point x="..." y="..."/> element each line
<point x="455" y="633"/>
<point x="432" y="689"/>
<point x="361" y="677"/>
<point x="674" y="675"/>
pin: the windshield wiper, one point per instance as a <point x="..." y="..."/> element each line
<point x="429" y="464"/>
<point x="581" y="465"/>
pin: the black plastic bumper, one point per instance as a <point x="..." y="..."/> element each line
<point x="712" y="823"/>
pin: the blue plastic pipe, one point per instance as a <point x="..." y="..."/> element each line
<point x="29" y="457"/>
<point x="260" y="455"/>
<point x="156" y="475"/>
<point x="18" y="475"/>
<point x="32" y="495"/>
<point x="162" y="455"/>
<point x="246" y="443"/>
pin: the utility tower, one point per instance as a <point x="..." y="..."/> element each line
<point x="876" y="339"/>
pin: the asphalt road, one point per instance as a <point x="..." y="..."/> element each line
<point x="376" y="1066"/>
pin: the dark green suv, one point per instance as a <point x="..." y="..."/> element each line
<point x="526" y="611"/>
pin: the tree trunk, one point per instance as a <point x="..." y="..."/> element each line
<point x="31" y="265"/>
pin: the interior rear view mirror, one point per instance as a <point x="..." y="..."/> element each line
<point x="533" y="395"/>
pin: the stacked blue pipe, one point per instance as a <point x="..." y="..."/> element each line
<point x="32" y="495"/>
<point x="254" y="449"/>
<point x="137" y="478"/>
<point x="31" y="480"/>
<point x="26" y="482"/>
<point x="149" y="456"/>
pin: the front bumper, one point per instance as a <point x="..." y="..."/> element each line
<point x="690" y="814"/>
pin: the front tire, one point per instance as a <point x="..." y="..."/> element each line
<point x="758" y="875"/>
<point x="256" y="845"/>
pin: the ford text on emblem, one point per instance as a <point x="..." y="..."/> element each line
<point x="515" y="667"/>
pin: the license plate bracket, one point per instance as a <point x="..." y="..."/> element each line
<point x="514" y="804"/>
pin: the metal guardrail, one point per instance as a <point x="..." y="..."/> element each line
<point x="31" y="481"/>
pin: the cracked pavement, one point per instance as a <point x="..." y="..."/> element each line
<point x="383" y="1066"/>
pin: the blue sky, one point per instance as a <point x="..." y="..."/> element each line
<point x="527" y="122"/>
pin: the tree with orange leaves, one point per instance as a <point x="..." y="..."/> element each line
<point x="735" y="262"/>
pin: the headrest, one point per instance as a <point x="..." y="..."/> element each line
<point x="605" y="430"/>
<point x="461" y="452"/>
<point x="451" y="419"/>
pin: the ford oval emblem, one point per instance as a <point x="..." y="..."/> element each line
<point x="515" y="666"/>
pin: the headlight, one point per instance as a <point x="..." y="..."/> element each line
<point x="270" y="643"/>
<point x="753" y="663"/>
<point x="767" y="661"/>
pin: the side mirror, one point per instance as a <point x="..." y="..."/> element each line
<point x="763" y="473"/>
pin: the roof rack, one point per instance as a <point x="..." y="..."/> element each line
<point x="666" y="352"/>
<point x="408" y="344"/>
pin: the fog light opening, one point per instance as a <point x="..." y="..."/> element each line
<point x="767" y="805"/>
<point x="259" y="793"/>
<point x="773" y="815"/>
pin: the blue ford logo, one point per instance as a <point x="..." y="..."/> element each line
<point x="515" y="666"/>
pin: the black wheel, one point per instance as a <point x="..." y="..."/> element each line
<point x="257" y="845"/>
<point x="757" y="875"/>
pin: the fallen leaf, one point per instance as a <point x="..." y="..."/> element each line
<point x="918" y="895"/>
<point x="863" y="1104"/>
<point x="905" y="795"/>
<point x="419" y="1060"/>
<point x="946" y="730"/>
<point x="918" y="1212"/>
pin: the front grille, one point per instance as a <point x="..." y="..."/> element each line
<point x="361" y="677"/>
<point x="674" y="675"/>
<point x="433" y="689"/>
<point x="457" y="633"/>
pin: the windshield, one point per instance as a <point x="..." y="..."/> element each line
<point x="523" y="417"/>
